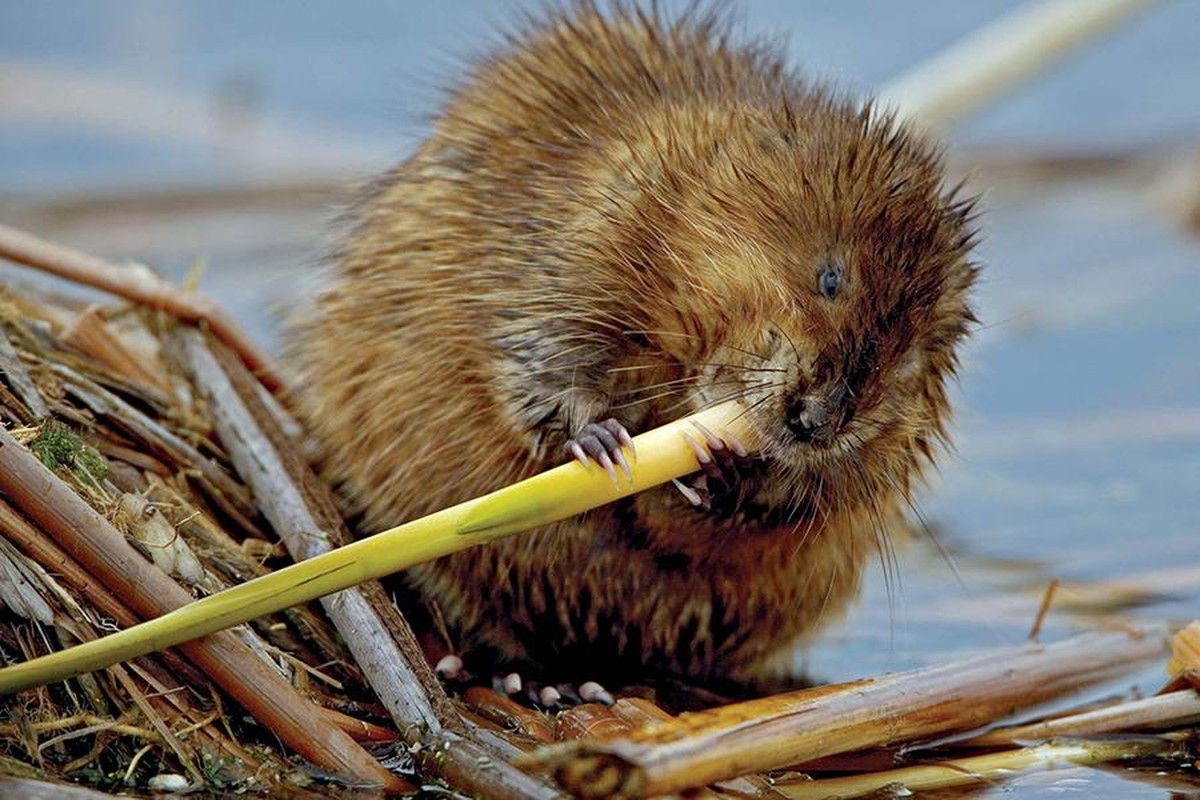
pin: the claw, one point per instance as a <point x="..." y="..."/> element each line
<point x="592" y="692"/>
<point x="735" y="444"/>
<point x="449" y="667"/>
<point x="688" y="492"/>
<point x="549" y="697"/>
<point x="702" y="455"/>
<point x="626" y="440"/>
<point x="511" y="684"/>
<point x="619" y="457"/>
<point x="577" y="451"/>
<point x="607" y="463"/>
<point x="713" y="441"/>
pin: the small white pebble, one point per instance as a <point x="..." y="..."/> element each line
<point x="549" y="696"/>
<point x="512" y="683"/>
<point x="449" y="667"/>
<point x="592" y="692"/>
<point x="168" y="782"/>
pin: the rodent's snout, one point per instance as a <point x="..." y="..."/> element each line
<point x="815" y="417"/>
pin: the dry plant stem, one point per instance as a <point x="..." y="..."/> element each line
<point x="90" y="334"/>
<point x="704" y="747"/>
<point x="121" y="675"/>
<point x="1043" y="610"/>
<point x="383" y="646"/>
<point x="997" y="57"/>
<point x="104" y="553"/>
<point x="402" y="679"/>
<point x="18" y="376"/>
<point x="975" y="769"/>
<point x="142" y="287"/>
<point x="1171" y="710"/>
<point x="662" y="454"/>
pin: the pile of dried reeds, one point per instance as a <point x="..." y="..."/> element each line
<point x="142" y="464"/>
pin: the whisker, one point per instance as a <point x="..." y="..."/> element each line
<point x="788" y="339"/>
<point x="731" y="396"/>
<point x="719" y="364"/>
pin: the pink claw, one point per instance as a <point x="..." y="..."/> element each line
<point x="688" y="492"/>
<point x="702" y="455"/>
<point x="449" y="667"/>
<point x="592" y="692"/>
<point x="512" y="683"/>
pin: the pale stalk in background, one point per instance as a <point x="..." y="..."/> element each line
<point x="999" y="56"/>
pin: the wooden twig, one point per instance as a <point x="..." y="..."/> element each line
<point x="1043" y="610"/>
<point x="997" y="57"/>
<point x="701" y="748"/>
<point x="103" y="552"/>
<point x="141" y="286"/>
<point x="305" y="516"/>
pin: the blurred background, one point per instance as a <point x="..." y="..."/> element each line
<point x="223" y="136"/>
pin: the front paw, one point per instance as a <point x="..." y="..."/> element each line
<point x="724" y="462"/>
<point x="602" y="442"/>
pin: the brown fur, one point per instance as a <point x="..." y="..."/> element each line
<point x="626" y="215"/>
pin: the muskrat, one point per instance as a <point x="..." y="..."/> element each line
<point x="621" y="218"/>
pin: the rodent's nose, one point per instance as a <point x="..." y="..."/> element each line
<point x="809" y="419"/>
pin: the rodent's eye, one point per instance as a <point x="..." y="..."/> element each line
<point x="829" y="282"/>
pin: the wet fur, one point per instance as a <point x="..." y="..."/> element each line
<point x="624" y="214"/>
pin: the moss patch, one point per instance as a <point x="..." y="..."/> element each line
<point x="58" y="447"/>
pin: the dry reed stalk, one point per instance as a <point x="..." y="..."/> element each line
<point x="591" y="721"/>
<point x="304" y="514"/>
<point x="700" y="748"/>
<point x="991" y="767"/>
<point x="104" y="553"/>
<point x="141" y="286"/>
<point x="508" y="714"/>
<point x="123" y="416"/>
<point x="1160" y="712"/>
<point x="274" y="477"/>
<point x="90" y="333"/>
<point x="12" y="788"/>
<point x="995" y="58"/>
